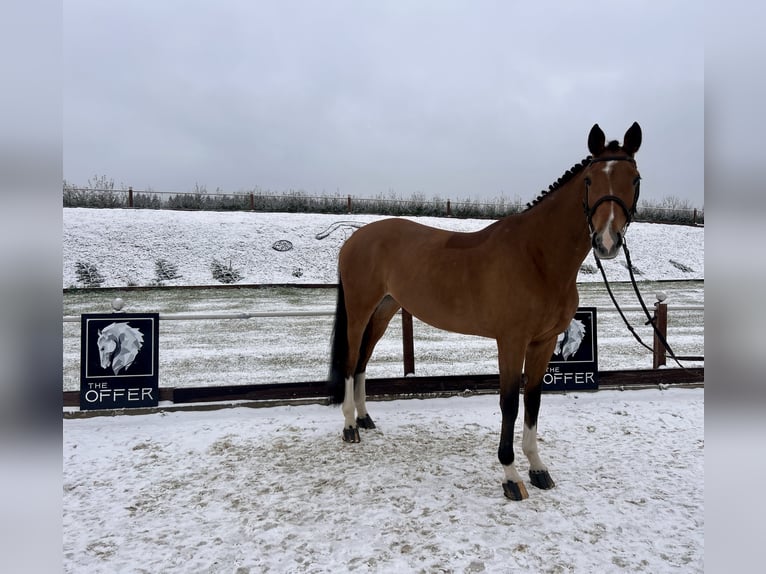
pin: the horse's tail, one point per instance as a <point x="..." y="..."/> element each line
<point x="339" y="350"/>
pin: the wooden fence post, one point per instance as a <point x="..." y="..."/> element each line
<point x="130" y="196"/>
<point x="408" y="346"/>
<point x="348" y="204"/>
<point x="449" y="208"/>
<point x="661" y="324"/>
<point x="252" y="201"/>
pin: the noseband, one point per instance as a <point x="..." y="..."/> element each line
<point x="629" y="211"/>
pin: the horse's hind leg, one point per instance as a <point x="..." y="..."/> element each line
<point x="538" y="356"/>
<point x="376" y="327"/>
<point x="355" y="321"/>
<point x="361" y="307"/>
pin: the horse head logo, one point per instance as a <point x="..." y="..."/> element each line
<point x="118" y="345"/>
<point x="570" y="340"/>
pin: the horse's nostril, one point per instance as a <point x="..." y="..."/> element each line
<point x="599" y="244"/>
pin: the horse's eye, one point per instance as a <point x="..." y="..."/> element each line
<point x="637" y="180"/>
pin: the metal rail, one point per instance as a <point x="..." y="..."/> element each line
<point x="327" y="313"/>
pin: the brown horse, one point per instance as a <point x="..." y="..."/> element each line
<point x="513" y="281"/>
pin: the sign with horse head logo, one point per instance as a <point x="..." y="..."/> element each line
<point x="119" y="361"/>
<point x="574" y="365"/>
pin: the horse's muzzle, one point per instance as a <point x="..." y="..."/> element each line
<point x="606" y="244"/>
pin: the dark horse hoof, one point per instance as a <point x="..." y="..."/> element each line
<point x="365" y="423"/>
<point x="351" y="434"/>
<point x="541" y="479"/>
<point x="515" y="490"/>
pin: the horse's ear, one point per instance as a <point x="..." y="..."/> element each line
<point x="596" y="140"/>
<point x="99" y="332"/>
<point x="632" y="139"/>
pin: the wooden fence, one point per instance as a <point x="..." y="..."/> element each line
<point x="408" y="384"/>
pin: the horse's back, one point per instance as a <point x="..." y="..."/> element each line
<point x="389" y="248"/>
<point x="403" y="236"/>
<point x="394" y="230"/>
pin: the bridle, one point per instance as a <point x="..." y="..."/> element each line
<point x="591" y="209"/>
<point x="629" y="213"/>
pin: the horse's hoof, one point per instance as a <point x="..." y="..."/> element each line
<point x="365" y="423"/>
<point x="541" y="479"/>
<point x="351" y="434"/>
<point x="515" y="490"/>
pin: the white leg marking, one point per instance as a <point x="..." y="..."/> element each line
<point x="529" y="446"/>
<point x="511" y="474"/>
<point x="360" y="395"/>
<point x="348" y="404"/>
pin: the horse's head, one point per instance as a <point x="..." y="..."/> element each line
<point x="118" y="345"/>
<point x="611" y="189"/>
<point x="107" y="344"/>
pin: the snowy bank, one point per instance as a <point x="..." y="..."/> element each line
<point x="125" y="246"/>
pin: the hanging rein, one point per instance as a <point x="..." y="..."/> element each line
<point x="629" y="213"/>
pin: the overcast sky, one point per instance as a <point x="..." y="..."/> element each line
<point x="473" y="99"/>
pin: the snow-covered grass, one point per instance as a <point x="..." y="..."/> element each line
<point x="244" y="490"/>
<point x="125" y="246"/>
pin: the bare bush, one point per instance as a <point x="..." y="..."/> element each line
<point x="88" y="274"/>
<point x="224" y="273"/>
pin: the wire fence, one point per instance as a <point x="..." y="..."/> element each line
<point x="299" y="202"/>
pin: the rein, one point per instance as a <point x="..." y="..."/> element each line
<point x="650" y="318"/>
<point x="629" y="212"/>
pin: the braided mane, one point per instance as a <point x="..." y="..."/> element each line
<point x="568" y="175"/>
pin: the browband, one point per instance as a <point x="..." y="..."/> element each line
<point x="613" y="158"/>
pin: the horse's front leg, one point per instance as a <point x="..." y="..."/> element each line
<point x="510" y="361"/>
<point x="538" y="357"/>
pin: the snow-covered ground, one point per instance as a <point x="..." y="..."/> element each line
<point x="275" y="489"/>
<point x="125" y="246"/>
<point x="244" y="490"/>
